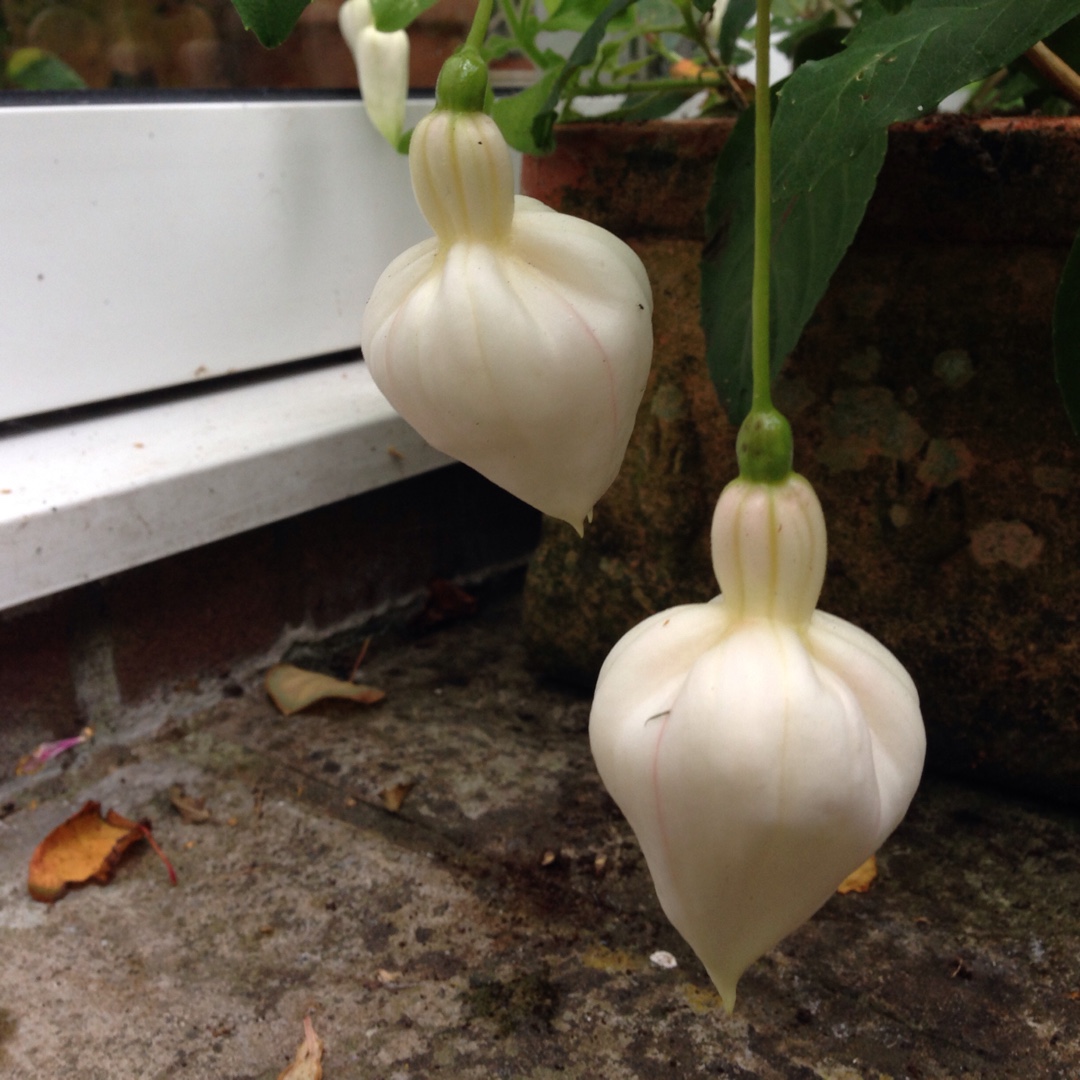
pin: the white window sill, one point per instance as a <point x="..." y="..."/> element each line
<point x="162" y="242"/>
<point x="88" y="498"/>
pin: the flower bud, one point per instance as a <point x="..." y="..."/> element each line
<point x="382" y="65"/>
<point x="517" y="339"/>
<point x="761" y="750"/>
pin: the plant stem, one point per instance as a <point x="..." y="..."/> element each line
<point x="1055" y="71"/>
<point x="514" y="23"/>
<point x="764" y="444"/>
<point x="478" y="30"/>
<point x="647" y="86"/>
<point x="759" y="304"/>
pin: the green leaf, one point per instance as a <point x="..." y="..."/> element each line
<point x="873" y="9"/>
<point x="810" y="235"/>
<point x="35" y="69"/>
<point x="1067" y="336"/>
<point x="514" y="114"/>
<point x="735" y="20"/>
<point x="583" y="54"/>
<point x="654" y="105"/>
<point x="271" y="21"/>
<point x="496" y="46"/>
<point x="896" y="68"/>
<point x="577" y="15"/>
<point x="828" y="141"/>
<point x="792" y="43"/>
<point x="390" y="15"/>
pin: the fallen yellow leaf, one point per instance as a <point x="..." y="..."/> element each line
<point x="86" y="847"/>
<point x="292" y="689"/>
<point x="860" y="880"/>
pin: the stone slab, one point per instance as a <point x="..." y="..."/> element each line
<point x="501" y="923"/>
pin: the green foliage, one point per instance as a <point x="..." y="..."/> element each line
<point x="515" y="114"/>
<point x="736" y="18"/>
<point x="828" y="142"/>
<point x="271" y="21"/>
<point x="873" y="8"/>
<point x="583" y="54"/>
<point x="1067" y="336"/>
<point x="576" y="15"/>
<point x="810" y="235"/>
<point x="390" y="15"/>
<point x="651" y="106"/>
<point x="35" y="69"/>
<point x="898" y="68"/>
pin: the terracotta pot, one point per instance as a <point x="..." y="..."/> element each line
<point x="925" y="413"/>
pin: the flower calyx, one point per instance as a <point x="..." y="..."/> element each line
<point x="764" y="446"/>
<point x="462" y="84"/>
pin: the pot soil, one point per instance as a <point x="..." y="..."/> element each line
<point x="925" y="414"/>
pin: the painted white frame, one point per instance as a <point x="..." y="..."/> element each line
<point x="150" y="244"/>
<point x="154" y="245"/>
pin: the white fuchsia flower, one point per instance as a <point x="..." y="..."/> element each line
<point x="760" y="749"/>
<point x="382" y="66"/>
<point x="517" y="339"/>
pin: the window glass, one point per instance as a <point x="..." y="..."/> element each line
<point x="201" y="44"/>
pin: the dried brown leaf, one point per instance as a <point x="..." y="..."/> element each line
<point x="86" y="847"/>
<point x="191" y="808"/>
<point x="292" y="689"/>
<point x="861" y="879"/>
<point x="307" y="1064"/>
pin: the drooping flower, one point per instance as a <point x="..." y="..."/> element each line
<point x="382" y="65"/>
<point x="760" y="749"/>
<point x="517" y="339"/>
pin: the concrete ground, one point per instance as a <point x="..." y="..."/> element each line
<point x="501" y="922"/>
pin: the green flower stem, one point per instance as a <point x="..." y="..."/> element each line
<point x="478" y="30"/>
<point x="762" y="398"/>
<point x="764" y="444"/>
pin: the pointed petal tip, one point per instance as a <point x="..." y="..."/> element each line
<point x="576" y="525"/>
<point x="726" y="989"/>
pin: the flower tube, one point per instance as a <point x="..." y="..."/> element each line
<point x="760" y="749"/>
<point x="382" y="65"/>
<point x="516" y="339"/>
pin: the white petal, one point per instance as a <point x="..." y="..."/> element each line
<point x="383" y="64"/>
<point x="498" y="357"/>
<point x="746" y="771"/>
<point x="353" y="16"/>
<point x="887" y="698"/>
<point x="767" y="797"/>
